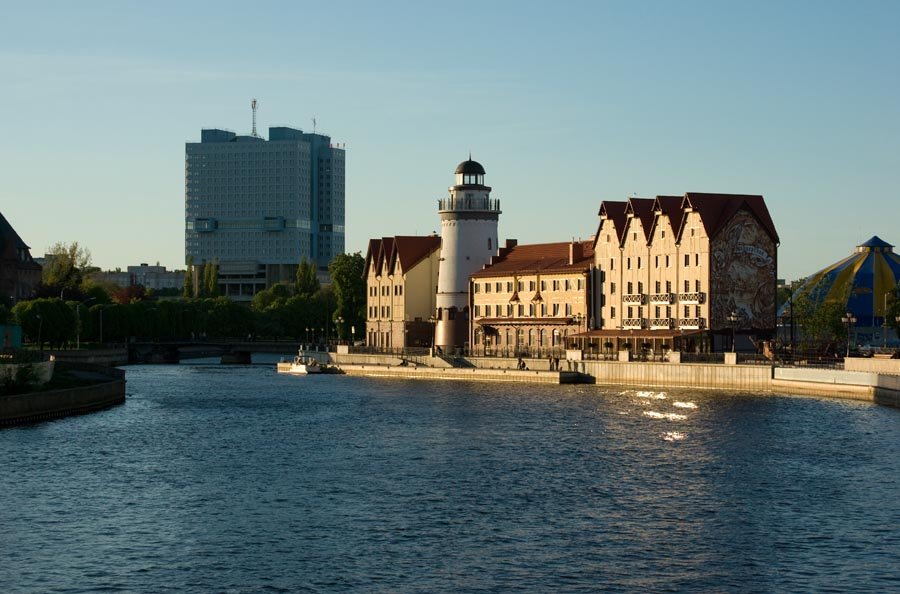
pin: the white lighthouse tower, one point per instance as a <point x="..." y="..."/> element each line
<point x="468" y="240"/>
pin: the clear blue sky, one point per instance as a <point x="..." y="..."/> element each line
<point x="565" y="104"/>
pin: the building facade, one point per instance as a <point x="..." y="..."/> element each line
<point x="532" y="298"/>
<point x="19" y="273"/>
<point x="469" y="218"/>
<point x="401" y="283"/>
<point x="257" y="207"/>
<point x="146" y="275"/>
<point x="688" y="272"/>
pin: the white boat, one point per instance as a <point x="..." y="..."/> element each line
<point x="301" y="365"/>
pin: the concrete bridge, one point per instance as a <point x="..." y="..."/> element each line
<point x="233" y="351"/>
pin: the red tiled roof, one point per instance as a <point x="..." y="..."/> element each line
<point x="409" y="250"/>
<point x="539" y="257"/>
<point x="642" y="209"/>
<point x="669" y="206"/>
<point x="716" y="209"/>
<point x="615" y="212"/>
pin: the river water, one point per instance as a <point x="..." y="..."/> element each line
<point x="234" y="479"/>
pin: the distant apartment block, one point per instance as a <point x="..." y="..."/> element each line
<point x="150" y="277"/>
<point x="257" y="207"/>
<point x="19" y="273"/>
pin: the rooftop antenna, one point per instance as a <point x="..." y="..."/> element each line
<point x="314" y="124"/>
<point x="253" y="107"/>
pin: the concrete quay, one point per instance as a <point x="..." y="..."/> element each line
<point x="880" y="387"/>
<point x="471" y="374"/>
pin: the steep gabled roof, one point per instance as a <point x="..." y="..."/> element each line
<point x="642" y="210"/>
<point x="669" y="206"/>
<point x="540" y="258"/>
<point x="409" y="250"/>
<point x="7" y="232"/>
<point x="716" y="209"/>
<point x="615" y="212"/>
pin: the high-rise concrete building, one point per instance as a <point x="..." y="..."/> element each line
<point x="257" y="207"/>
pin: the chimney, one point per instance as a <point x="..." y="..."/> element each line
<point x="576" y="252"/>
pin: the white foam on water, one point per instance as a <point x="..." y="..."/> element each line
<point x="673" y="436"/>
<point x="690" y="405"/>
<point x="653" y="395"/>
<point x="667" y="416"/>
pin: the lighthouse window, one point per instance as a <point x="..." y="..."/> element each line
<point x="489" y="244"/>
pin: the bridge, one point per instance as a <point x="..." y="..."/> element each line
<point x="232" y="351"/>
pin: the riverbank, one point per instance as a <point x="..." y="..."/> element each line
<point x="101" y="387"/>
<point x="880" y="387"/>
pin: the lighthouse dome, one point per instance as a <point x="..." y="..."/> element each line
<point x="470" y="167"/>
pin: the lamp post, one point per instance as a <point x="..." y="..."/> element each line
<point x="352" y="335"/>
<point x="307" y="336"/>
<point x="733" y="320"/>
<point x="340" y="327"/>
<point x="849" y="319"/>
<point x="432" y="320"/>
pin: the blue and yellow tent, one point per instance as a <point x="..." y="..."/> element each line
<point x="860" y="281"/>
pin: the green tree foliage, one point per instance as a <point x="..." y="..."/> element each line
<point x="4" y="314"/>
<point x="307" y="283"/>
<point x="46" y="321"/>
<point x="189" y="279"/>
<point x="210" y="285"/>
<point x="820" y="324"/>
<point x="66" y="267"/>
<point x="349" y="287"/>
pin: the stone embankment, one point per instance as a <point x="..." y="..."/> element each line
<point x="859" y="381"/>
<point x="105" y="387"/>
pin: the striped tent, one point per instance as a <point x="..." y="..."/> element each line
<point x="861" y="281"/>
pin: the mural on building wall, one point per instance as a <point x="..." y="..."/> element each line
<point x="742" y="274"/>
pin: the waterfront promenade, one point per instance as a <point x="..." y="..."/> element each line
<point x="862" y="379"/>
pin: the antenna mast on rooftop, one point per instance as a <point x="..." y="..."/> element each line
<point x="253" y="107"/>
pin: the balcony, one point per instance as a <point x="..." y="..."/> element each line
<point x="634" y="298"/>
<point x="662" y="323"/>
<point x="633" y="323"/>
<point x="665" y="298"/>
<point x="692" y="324"/>
<point x="692" y="298"/>
<point x="469" y="204"/>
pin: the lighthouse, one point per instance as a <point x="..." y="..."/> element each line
<point x="468" y="240"/>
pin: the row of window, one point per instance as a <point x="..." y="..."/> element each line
<point x="639" y="261"/>
<point x="522" y="337"/>
<point x="554" y="285"/>
<point x="657" y="287"/>
<point x="658" y="312"/>
<point x="386" y="291"/>
<point x="522" y="310"/>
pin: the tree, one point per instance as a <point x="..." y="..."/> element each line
<point x="189" y="279"/>
<point x="307" y="281"/>
<point x="66" y="266"/>
<point x="349" y="287"/>
<point x="210" y="287"/>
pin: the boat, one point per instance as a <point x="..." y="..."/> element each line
<point x="301" y="365"/>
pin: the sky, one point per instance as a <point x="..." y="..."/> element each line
<point x="565" y="104"/>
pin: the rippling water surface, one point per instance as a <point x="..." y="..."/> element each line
<point x="235" y="479"/>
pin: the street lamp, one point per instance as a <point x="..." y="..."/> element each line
<point x="849" y="319"/>
<point x="432" y="320"/>
<point x="340" y="327"/>
<point x="352" y="335"/>
<point x="733" y="319"/>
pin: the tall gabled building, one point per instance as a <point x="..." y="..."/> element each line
<point x="677" y="274"/>
<point x="401" y="280"/>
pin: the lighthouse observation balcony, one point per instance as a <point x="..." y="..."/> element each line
<point x="469" y="204"/>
